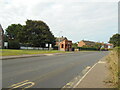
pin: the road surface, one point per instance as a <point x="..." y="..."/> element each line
<point x="52" y="71"/>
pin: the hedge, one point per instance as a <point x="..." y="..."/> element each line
<point x="87" y="48"/>
<point x="13" y="45"/>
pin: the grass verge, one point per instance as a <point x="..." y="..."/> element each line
<point x="11" y="52"/>
<point x="113" y="60"/>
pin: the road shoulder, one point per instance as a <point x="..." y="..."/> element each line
<point x="96" y="77"/>
<point x="32" y="55"/>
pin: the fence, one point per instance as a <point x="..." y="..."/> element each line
<point x="35" y="48"/>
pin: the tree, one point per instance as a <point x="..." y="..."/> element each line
<point x="38" y="33"/>
<point x="75" y="45"/>
<point x="14" y="32"/>
<point x="98" y="45"/>
<point x="34" y="33"/>
<point x="115" y="40"/>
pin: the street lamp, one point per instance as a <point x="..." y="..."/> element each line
<point x="59" y="40"/>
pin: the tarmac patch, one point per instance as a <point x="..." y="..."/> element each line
<point x="49" y="54"/>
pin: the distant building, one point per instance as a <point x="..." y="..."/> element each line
<point x="86" y="43"/>
<point x="91" y="44"/>
<point x="60" y="39"/>
<point x="110" y="46"/>
<point x="65" y="45"/>
<point x="104" y="45"/>
<point x="1" y="36"/>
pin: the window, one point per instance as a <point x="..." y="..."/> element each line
<point x="65" y="45"/>
<point x="62" y="46"/>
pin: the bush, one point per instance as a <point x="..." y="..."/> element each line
<point x="104" y="49"/>
<point x="13" y="45"/>
<point x="55" y="48"/>
<point x="113" y="62"/>
<point x="87" y="48"/>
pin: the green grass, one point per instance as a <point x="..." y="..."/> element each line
<point x="114" y="66"/>
<point x="11" y="52"/>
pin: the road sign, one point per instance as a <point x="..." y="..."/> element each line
<point x="46" y="44"/>
<point x="6" y="44"/>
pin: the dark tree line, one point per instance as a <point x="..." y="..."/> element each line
<point x="34" y="33"/>
<point x="115" y="40"/>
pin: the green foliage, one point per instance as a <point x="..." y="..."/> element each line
<point x="14" y="32"/>
<point x="98" y="45"/>
<point x="13" y="45"/>
<point x="74" y="45"/>
<point x="115" y="40"/>
<point x="104" y="49"/>
<point x="34" y="33"/>
<point x="113" y="62"/>
<point x="5" y="38"/>
<point x="87" y="48"/>
<point x="38" y="33"/>
<point x="55" y="48"/>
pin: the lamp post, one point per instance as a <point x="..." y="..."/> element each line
<point x="59" y="41"/>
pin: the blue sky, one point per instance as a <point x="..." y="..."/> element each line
<point x="95" y="20"/>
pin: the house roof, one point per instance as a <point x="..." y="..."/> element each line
<point x="59" y="39"/>
<point x="110" y="44"/>
<point x="67" y="40"/>
<point x="1" y="29"/>
<point x="89" y="42"/>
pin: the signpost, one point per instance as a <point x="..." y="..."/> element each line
<point x="46" y="44"/>
<point x="6" y="44"/>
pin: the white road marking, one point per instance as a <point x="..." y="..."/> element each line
<point x="73" y="82"/>
<point x="86" y="69"/>
<point x="23" y="83"/>
<point x="84" y="75"/>
<point x="101" y="62"/>
<point x="19" y="83"/>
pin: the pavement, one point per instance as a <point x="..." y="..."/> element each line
<point x="96" y="76"/>
<point x="51" y="71"/>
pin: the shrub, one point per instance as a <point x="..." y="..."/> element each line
<point x="87" y="48"/>
<point x="55" y="48"/>
<point x="13" y="45"/>
<point x="113" y="61"/>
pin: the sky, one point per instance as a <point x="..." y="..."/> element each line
<point x="94" y="20"/>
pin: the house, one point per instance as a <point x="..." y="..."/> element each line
<point x="60" y="39"/>
<point x="1" y="36"/>
<point x="110" y="46"/>
<point x="86" y="43"/>
<point x="65" y="45"/>
<point x="104" y="45"/>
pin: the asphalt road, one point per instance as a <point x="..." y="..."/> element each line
<point x="47" y="71"/>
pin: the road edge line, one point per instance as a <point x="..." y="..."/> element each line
<point x="30" y="55"/>
<point x="85" y="75"/>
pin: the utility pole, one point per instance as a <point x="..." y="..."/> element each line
<point x="59" y="41"/>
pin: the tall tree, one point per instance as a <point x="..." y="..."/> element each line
<point x="14" y="32"/>
<point x="115" y="40"/>
<point x="34" y="33"/>
<point x="38" y="33"/>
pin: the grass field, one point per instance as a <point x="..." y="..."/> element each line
<point x="11" y="52"/>
<point x="114" y="66"/>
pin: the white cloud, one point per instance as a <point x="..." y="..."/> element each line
<point x="78" y="19"/>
